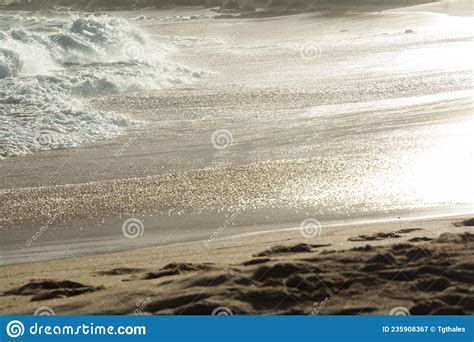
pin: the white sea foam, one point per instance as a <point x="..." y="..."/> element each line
<point x="49" y="66"/>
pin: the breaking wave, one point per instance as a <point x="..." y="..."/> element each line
<point x="49" y="66"/>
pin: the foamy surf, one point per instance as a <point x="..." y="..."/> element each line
<point x="47" y="68"/>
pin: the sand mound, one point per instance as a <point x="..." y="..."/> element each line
<point x="282" y="250"/>
<point x="425" y="277"/>
<point x="48" y="289"/>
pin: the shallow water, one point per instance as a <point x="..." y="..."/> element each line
<point x="382" y="101"/>
<point x="291" y="118"/>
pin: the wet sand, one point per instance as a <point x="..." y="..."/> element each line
<point x="418" y="268"/>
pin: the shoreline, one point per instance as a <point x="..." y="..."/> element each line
<point x="307" y="137"/>
<point x="56" y="240"/>
<point x="101" y="284"/>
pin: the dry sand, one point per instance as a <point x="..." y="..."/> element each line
<point x="423" y="266"/>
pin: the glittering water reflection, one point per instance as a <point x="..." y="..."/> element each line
<point x="442" y="172"/>
<point x="424" y="161"/>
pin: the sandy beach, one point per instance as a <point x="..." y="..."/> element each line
<point x="192" y="161"/>
<point x="418" y="268"/>
<point x="278" y="127"/>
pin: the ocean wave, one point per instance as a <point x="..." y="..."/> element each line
<point x="45" y="71"/>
